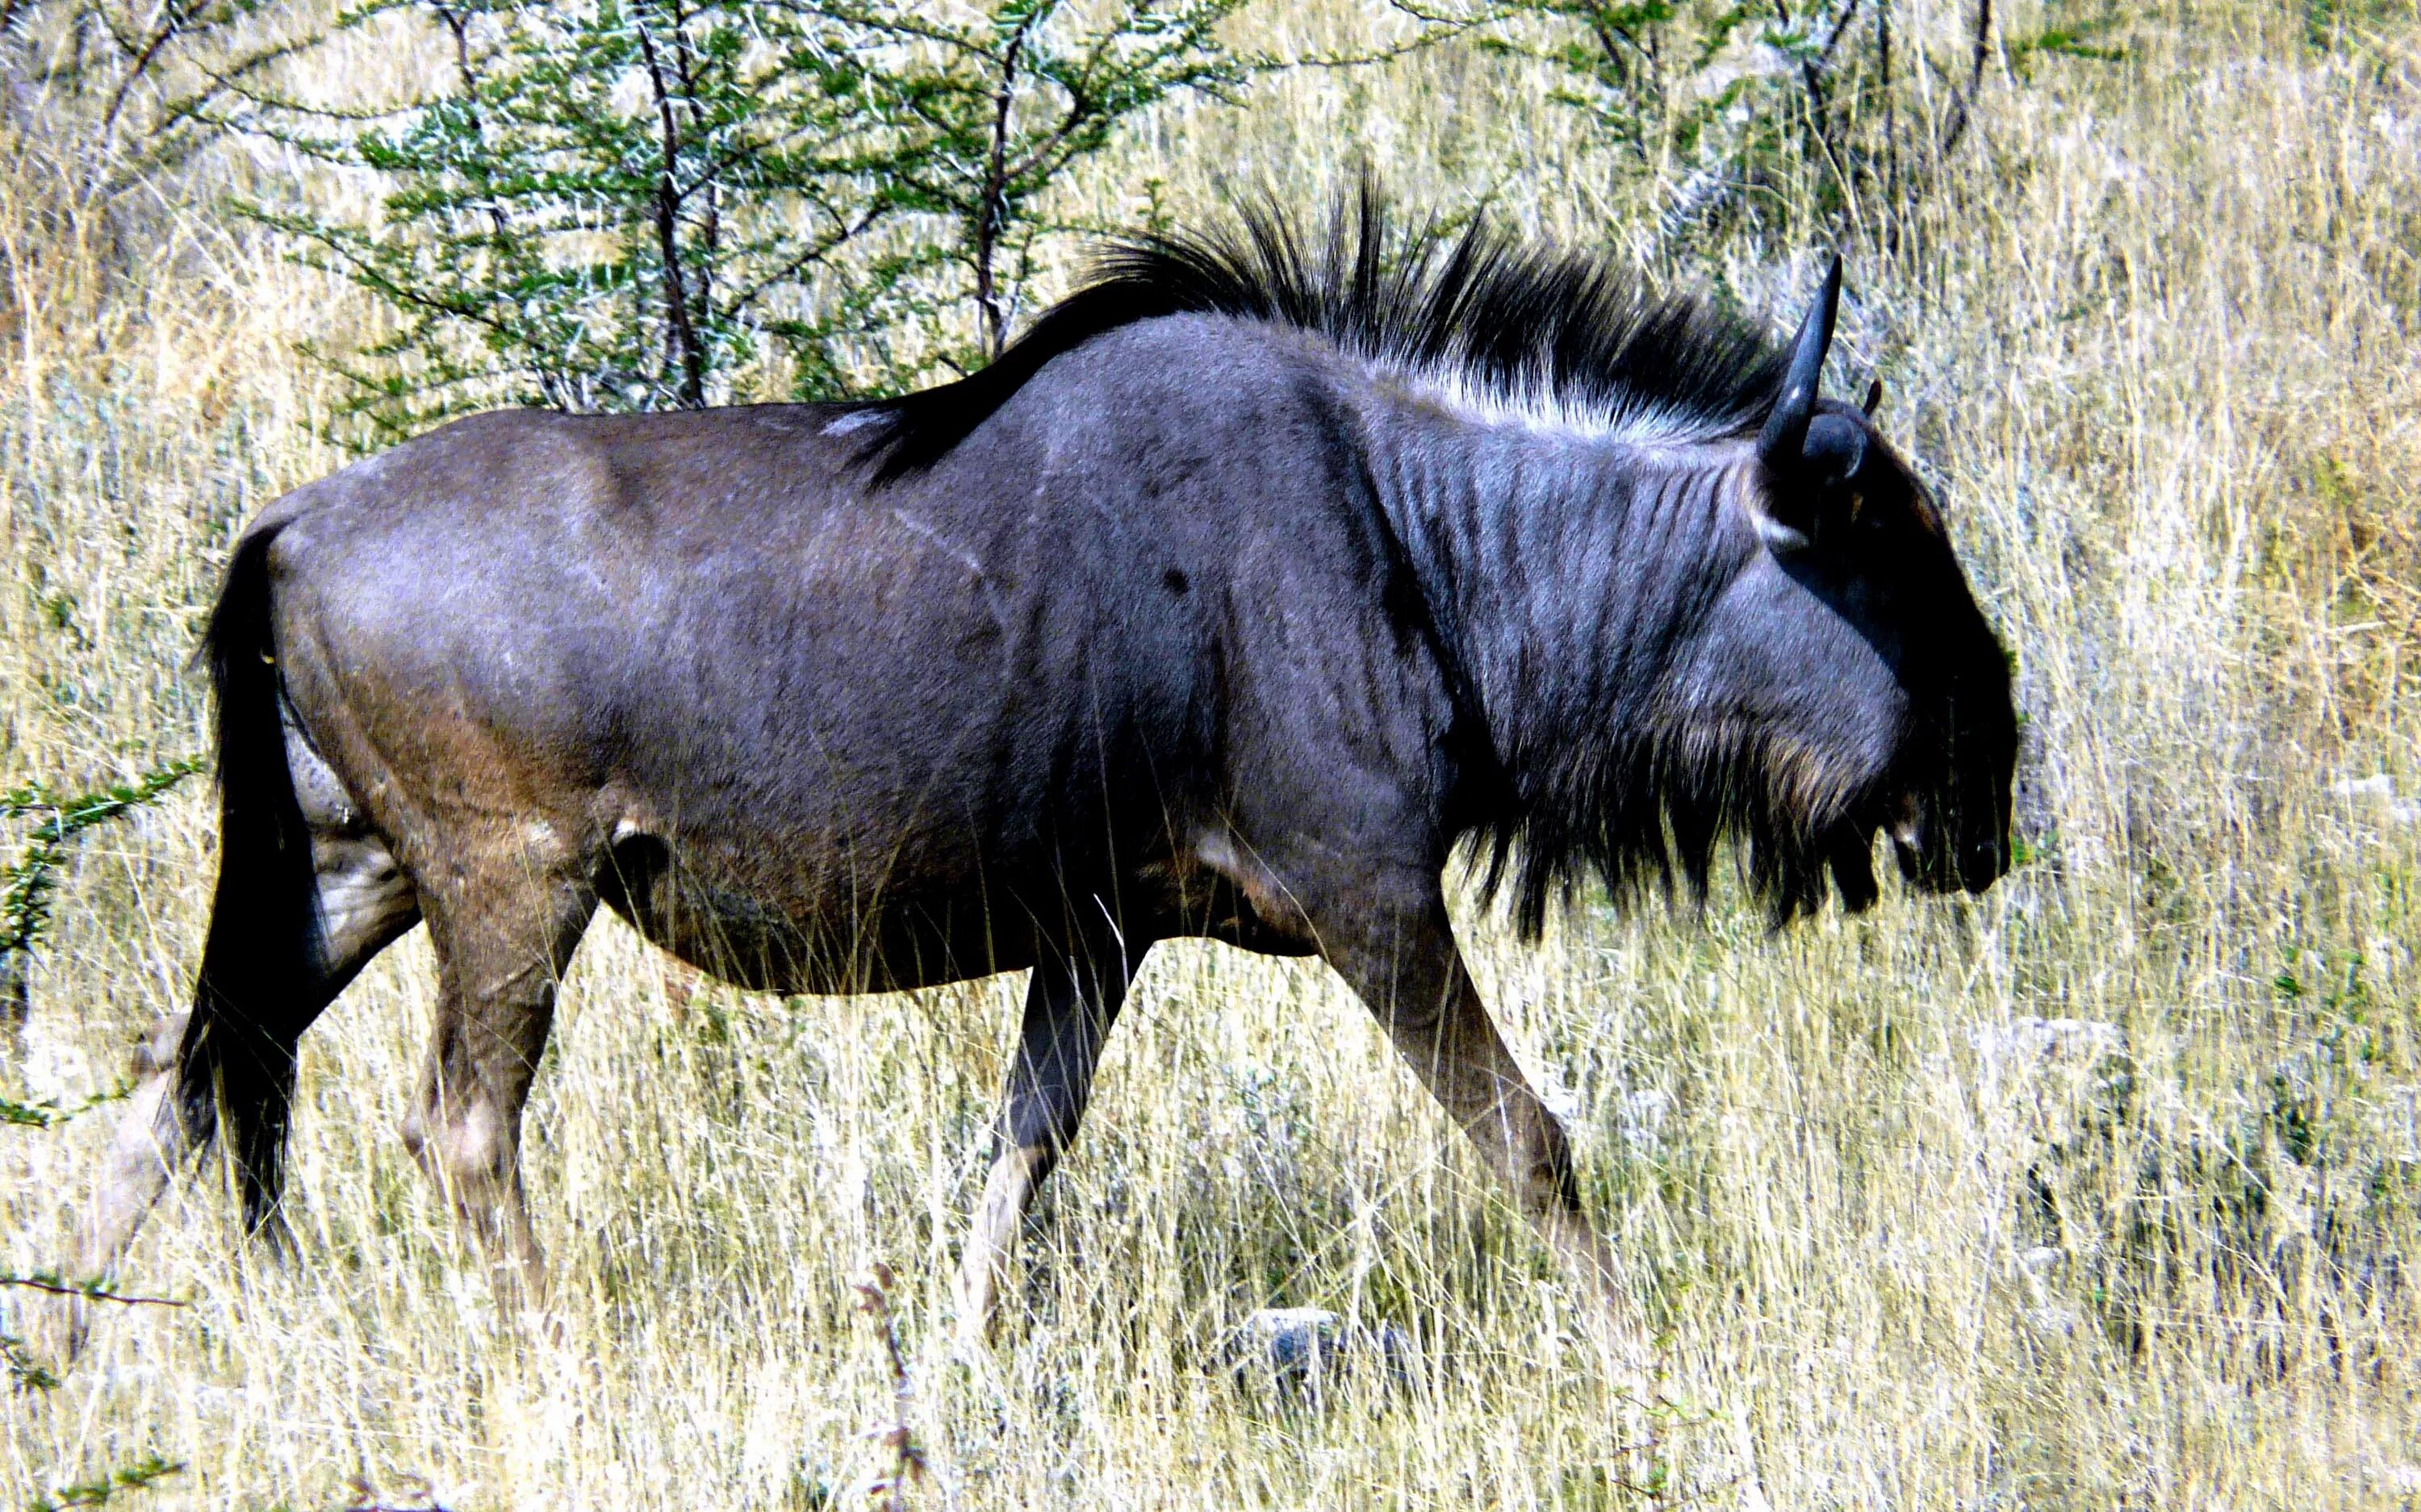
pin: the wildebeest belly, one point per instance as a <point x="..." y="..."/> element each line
<point x="724" y="923"/>
<point x="806" y="845"/>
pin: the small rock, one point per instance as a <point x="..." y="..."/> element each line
<point x="1293" y="1342"/>
<point x="1300" y="1349"/>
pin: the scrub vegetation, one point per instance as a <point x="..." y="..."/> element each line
<point x="2104" y="1190"/>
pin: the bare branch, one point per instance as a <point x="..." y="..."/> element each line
<point x="992" y="205"/>
<point x="1962" y="104"/>
<point x="173" y="24"/>
<point x="88" y="1290"/>
<point x="813" y="254"/>
<point x="680" y="336"/>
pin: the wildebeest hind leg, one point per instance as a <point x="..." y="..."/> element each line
<point x="1070" y="1005"/>
<point x="1406" y="966"/>
<point x="503" y="936"/>
<point x="365" y="902"/>
<point x="149" y="1145"/>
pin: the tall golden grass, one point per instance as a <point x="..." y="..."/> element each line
<point x="2102" y="1190"/>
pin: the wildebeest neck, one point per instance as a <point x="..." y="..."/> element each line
<point x="1565" y="575"/>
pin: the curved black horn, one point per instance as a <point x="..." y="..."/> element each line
<point x="1786" y="429"/>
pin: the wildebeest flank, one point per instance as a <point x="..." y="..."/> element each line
<point x="1255" y="579"/>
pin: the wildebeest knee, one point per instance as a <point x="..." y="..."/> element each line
<point x="461" y="1147"/>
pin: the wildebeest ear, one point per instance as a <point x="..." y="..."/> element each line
<point x="1836" y="448"/>
<point x="1813" y="496"/>
<point x="1874" y="398"/>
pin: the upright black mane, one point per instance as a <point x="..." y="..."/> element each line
<point x="1522" y="324"/>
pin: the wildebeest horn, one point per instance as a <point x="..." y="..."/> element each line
<point x="1786" y="429"/>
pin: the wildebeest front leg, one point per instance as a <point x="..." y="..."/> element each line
<point x="1070" y="1007"/>
<point x="1407" y="968"/>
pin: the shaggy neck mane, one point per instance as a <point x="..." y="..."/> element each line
<point x="1569" y="584"/>
<point x="1583" y="768"/>
<point x="1513" y="329"/>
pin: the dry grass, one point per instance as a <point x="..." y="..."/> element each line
<point x="1908" y="1243"/>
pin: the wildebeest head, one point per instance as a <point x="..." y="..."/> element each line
<point x="1847" y="665"/>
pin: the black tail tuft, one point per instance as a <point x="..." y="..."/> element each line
<point x="235" y="1070"/>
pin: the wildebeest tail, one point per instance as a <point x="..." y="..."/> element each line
<point x="235" y="1070"/>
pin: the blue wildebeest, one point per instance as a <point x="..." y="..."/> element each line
<point x="1263" y="573"/>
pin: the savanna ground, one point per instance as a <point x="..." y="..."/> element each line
<point x="2104" y="1190"/>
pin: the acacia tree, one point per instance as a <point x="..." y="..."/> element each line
<point x="622" y="204"/>
<point x="1005" y="101"/>
<point x="1721" y="105"/>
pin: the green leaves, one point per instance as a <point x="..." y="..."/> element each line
<point x="652" y="204"/>
<point x="43" y="1113"/>
<point x="103" y="1489"/>
<point x="2081" y="42"/>
<point x="1726" y="113"/>
<point x="88" y="1290"/>
<point x="1005" y="101"/>
<point x="26" y="884"/>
